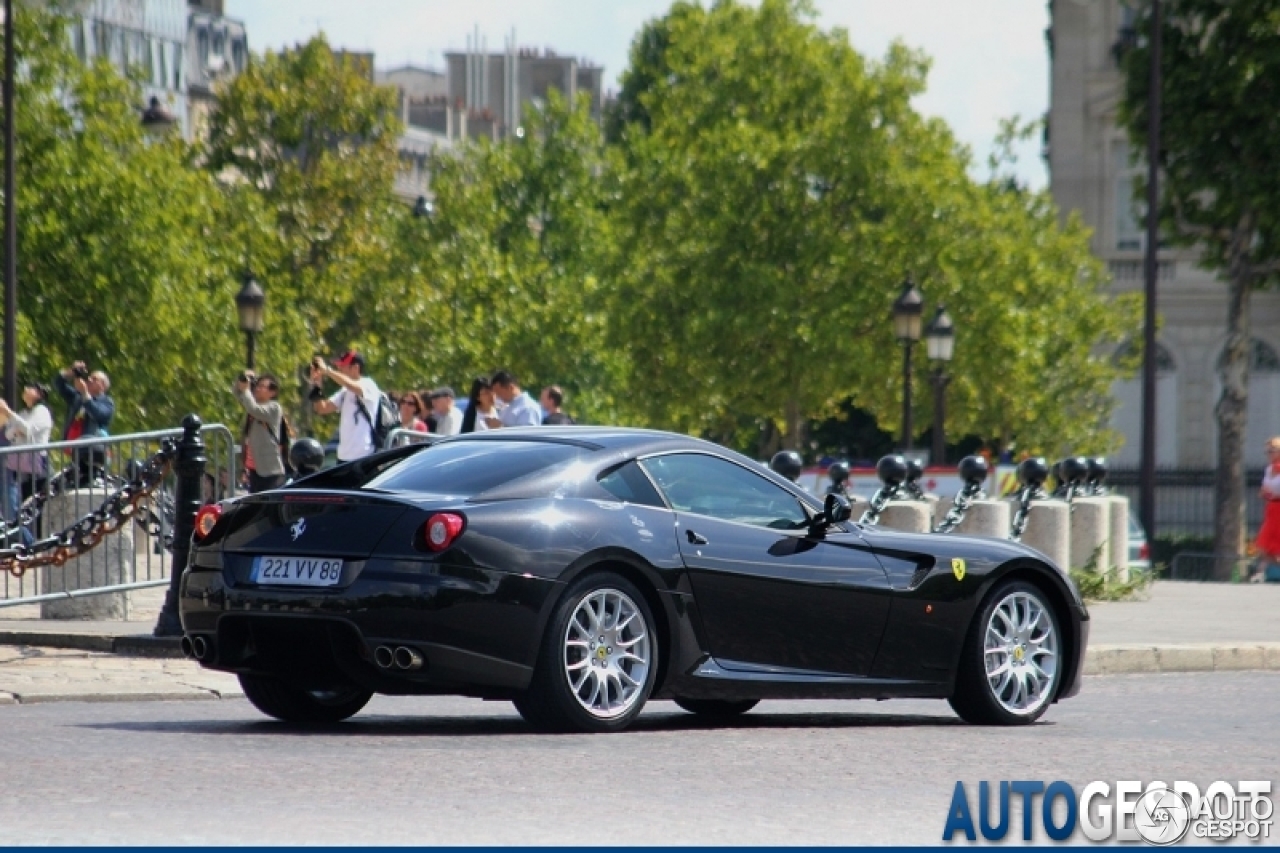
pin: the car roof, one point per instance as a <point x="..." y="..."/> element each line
<point x="627" y="440"/>
<point x="617" y="444"/>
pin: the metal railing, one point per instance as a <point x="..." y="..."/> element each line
<point x="400" y="436"/>
<point x="1200" y="566"/>
<point x="1185" y="499"/>
<point x="85" y="472"/>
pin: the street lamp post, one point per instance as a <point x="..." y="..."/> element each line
<point x="940" y="341"/>
<point x="907" y="310"/>
<point x="156" y="119"/>
<point x="10" y="220"/>
<point x="250" y="302"/>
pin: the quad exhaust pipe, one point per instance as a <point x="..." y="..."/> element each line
<point x="197" y="647"/>
<point x="400" y="657"/>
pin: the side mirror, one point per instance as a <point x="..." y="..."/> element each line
<point x="835" y="509"/>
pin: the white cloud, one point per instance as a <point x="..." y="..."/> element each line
<point x="989" y="56"/>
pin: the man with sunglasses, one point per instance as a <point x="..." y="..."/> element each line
<point x="262" y="430"/>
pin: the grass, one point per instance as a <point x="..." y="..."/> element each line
<point x="1095" y="585"/>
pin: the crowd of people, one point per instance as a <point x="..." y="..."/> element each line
<point x="494" y="402"/>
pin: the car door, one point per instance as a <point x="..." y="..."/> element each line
<point x="770" y="593"/>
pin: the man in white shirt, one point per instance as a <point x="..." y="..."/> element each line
<point x="355" y="427"/>
<point x="521" y="409"/>
<point x="448" y="418"/>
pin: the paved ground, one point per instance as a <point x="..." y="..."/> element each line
<point x="454" y="771"/>
<point x="1178" y="627"/>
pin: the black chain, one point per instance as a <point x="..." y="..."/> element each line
<point x="878" y="502"/>
<point x="117" y="509"/>
<point x="1024" y="497"/>
<point x="969" y="493"/>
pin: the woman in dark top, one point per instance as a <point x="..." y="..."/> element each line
<point x="480" y="388"/>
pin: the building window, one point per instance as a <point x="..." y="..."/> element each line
<point x="202" y="47"/>
<point x="1262" y="358"/>
<point x="79" y="42"/>
<point x="1164" y="358"/>
<point x="1129" y="214"/>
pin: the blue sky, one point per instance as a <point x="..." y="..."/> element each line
<point x="989" y="57"/>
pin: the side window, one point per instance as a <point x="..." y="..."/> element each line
<point x="694" y="482"/>
<point x="628" y="483"/>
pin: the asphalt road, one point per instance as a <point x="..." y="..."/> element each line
<point x="457" y="771"/>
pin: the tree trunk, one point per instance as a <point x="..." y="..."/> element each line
<point x="1232" y="411"/>
<point x="795" y="426"/>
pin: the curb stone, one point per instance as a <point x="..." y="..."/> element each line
<point x="135" y="645"/>
<point x="1117" y="660"/>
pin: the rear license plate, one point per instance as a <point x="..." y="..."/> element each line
<point x="296" y="571"/>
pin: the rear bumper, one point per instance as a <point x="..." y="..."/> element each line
<point x="477" y="630"/>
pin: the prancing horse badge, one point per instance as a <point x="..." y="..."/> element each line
<point x="957" y="568"/>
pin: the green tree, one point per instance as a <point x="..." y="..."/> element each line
<point x="117" y="259"/>
<point x="765" y="222"/>
<point x="516" y="248"/>
<point x="306" y="146"/>
<point x="1220" y="184"/>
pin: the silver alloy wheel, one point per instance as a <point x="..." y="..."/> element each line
<point x="1021" y="653"/>
<point x="607" y="653"/>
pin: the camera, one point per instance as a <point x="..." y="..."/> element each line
<point x="80" y="372"/>
<point x="247" y="376"/>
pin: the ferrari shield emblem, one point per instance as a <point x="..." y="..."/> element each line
<point x="957" y="568"/>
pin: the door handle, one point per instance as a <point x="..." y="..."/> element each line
<point x="695" y="539"/>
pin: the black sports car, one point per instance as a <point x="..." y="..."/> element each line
<point x="580" y="572"/>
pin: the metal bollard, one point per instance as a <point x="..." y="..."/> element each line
<point x="189" y="465"/>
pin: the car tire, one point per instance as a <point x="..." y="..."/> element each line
<point x="1012" y="662"/>
<point x="284" y="701"/>
<point x="598" y="660"/>
<point x="717" y="708"/>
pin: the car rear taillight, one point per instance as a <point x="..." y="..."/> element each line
<point x="206" y="518"/>
<point x="1144" y="551"/>
<point x="441" y="530"/>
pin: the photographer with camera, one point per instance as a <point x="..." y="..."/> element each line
<point x="358" y="401"/>
<point x="89" y="413"/>
<point x="265" y="430"/>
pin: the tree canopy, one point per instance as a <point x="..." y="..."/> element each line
<point x="720" y="258"/>
<point x="1219" y="183"/>
<point x="766" y="220"/>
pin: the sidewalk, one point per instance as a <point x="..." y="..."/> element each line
<point x="1179" y="627"/>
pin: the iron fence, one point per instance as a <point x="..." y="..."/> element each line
<point x="1185" y="499"/>
<point x="91" y="469"/>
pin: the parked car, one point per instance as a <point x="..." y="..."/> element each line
<point x="583" y="571"/>
<point x="1139" y="548"/>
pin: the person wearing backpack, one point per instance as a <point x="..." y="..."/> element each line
<point x="264" y="427"/>
<point x="363" y="416"/>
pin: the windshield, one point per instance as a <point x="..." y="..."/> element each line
<point x="467" y="468"/>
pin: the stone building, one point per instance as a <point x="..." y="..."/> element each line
<point x="217" y="49"/>
<point x="1092" y="171"/>
<point x="146" y="34"/>
<point x="478" y="95"/>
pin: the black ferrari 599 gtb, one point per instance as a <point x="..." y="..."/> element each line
<point x="581" y="572"/>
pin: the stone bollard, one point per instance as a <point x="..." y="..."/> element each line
<point x="907" y="516"/>
<point x="1119" y="535"/>
<point x="1090" y="533"/>
<point x="858" y="504"/>
<point x="983" y="518"/>
<point x="1049" y="529"/>
<point x="108" y="564"/>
